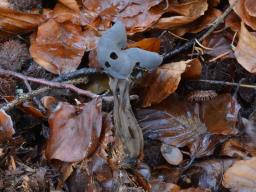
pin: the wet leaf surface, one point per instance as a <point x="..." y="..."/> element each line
<point x="74" y="133"/>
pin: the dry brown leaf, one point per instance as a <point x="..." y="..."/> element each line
<point x="241" y="176"/>
<point x="74" y="134"/>
<point x="246" y="11"/>
<point x="13" y="22"/>
<point x="199" y="24"/>
<point x="59" y="47"/>
<point x="220" y="114"/>
<point x="162" y="82"/>
<point x="188" y="12"/>
<point x="72" y="4"/>
<point x="6" y="126"/>
<point x="233" y="22"/>
<point x="246" y="49"/>
<point x="219" y="45"/>
<point x="149" y="44"/>
<point x="171" y="128"/>
<point x="208" y="173"/>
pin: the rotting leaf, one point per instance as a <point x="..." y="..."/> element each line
<point x="149" y="44"/>
<point x="173" y="130"/>
<point x="59" y="47"/>
<point x="246" y="49"/>
<point x="6" y="126"/>
<point x="241" y="176"/>
<point x="208" y="173"/>
<point x="162" y="82"/>
<point x="13" y="22"/>
<point x="221" y="114"/>
<point x="74" y="133"/>
<point x="246" y="11"/>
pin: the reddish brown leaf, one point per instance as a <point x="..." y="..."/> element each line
<point x="246" y="50"/>
<point x="74" y="134"/>
<point x="162" y="82"/>
<point x="241" y="176"/>
<point x="13" y="22"/>
<point x="220" y="114"/>
<point x="59" y="47"/>
<point x="6" y="126"/>
<point x="199" y="24"/>
<point x="245" y="10"/>
<point x="188" y="12"/>
<point x="149" y="44"/>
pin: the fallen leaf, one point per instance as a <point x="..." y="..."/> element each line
<point x="188" y="12"/>
<point x="6" y="126"/>
<point x="245" y="51"/>
<point x="59" y="47"/>
<point x="246" y="11"/>
<point x="13" y="22"/>
<point x="208" y="173"/>
<point x="198" y="25"/>
<point x="149" y="44"/>
<point x="162" y="82"/>
<point x="219" y="45"/>
<point x="74" y="134"/>
<point x="173" y="130"/>
<point x="241" y="176"/>
<point x="157" y="185"/>
<point x="72" y="4"/>
<point x="234" y="148"/>
<point x="220" y="114"/>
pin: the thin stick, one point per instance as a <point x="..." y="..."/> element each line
<point x="190" y="43"/>
<point x="48" y="83"/>
<point x="34" y="93"/>
<point x="227" y="83"/>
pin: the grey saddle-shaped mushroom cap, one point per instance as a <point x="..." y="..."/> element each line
<point x="120" y="63"/>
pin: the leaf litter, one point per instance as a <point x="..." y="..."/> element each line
<point x="144" y="121"/>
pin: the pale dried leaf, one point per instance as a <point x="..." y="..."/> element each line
<point x="246" y="49"/>
<point x="241" y="177"/>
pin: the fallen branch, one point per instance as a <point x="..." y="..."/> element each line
<point x="48" y="83"/>
<point x="190" y="43"/>
<point x="227" y="83"/>
<point x="34" y="93"/>
<point x="75" y="74"/>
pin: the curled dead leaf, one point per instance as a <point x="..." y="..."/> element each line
<point x="246" y="49"/>
<point x="241" y="176"/>
<point x="149" y="44"/>
<point x="74" y="133"/>
<point x="162" y="82"/>
<point x="13" y="22"/>
<point x="59" y="47"/>
<point x="246" y="11"/>
<point x="6" y="126"/>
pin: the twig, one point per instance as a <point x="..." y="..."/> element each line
<point x="190" y="43"/>
<point x="34" y="93"/>
<point x="48" y="83"/>
<point x="227" y="83"/>
<point x="75" y="74"/>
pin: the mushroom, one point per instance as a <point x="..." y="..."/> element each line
<point x="119" y="62"/>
